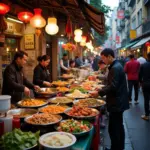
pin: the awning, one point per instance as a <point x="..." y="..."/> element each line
<point x="140" y="43"/>
<point x="130" y="44"/>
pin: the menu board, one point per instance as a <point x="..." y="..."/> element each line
<point x="29" y="41"/>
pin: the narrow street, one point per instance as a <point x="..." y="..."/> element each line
<point x="137" y="130"/>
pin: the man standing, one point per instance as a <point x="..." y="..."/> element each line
<point x="14" y="81"/>
<point x="132" y="69"/>
<point x="144" y="77"/>
<point x="141" y="59"/>
<point x="116" y="99"/>
<point x="64" y="64"/>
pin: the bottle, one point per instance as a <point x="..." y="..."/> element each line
<point x="1" y="128"/>
<point x="16" y="122"/>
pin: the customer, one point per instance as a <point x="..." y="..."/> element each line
<point x="132" y="69"/>
<point x="144" y="77"/>
<point x="116" y="99"/>
<point x="41" y="74"/>
<point x="64" y="64"/>
<point x="14" y="81"/>
<point x="141" y="59"/>
<point x="95" y="63"/>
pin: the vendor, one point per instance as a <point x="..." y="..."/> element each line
<point x="64" y="64"/>
<point x="15" y="83"/>
<point x="41" y="75"/>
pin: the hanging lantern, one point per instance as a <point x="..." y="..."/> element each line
<point x="78" y="38"/>
<point x="4" y="9"/>
<point x="78" y="32"/>
<point x="147" y="44"/>
<point x="37" y="21"/>
<point x="52" y="28"/>
<point x="83" y="41"/>
<point x="25" y="16"/>
<point x="69" y="28"/>
<point x="38" y="32"/>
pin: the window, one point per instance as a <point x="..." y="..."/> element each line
<point x="133" y="24"/>
<point x="139" y="17"/>
<point x="148" y="12"/>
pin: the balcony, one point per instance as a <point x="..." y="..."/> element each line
<point x="146" y="27"/>
<point x="119" y="28"/>
<point x="122" y="23"/>
<point x="122" y="5"/>
<point x="127" y="14"/>
<point x="131" y="3"/>
<point x="146" y="2"/>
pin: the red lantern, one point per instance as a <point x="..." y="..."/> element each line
<point x="69" y="28"/>
<point x="147" y="44"/>
<point x="25" y="16"/>
<point x="4" y="9"/>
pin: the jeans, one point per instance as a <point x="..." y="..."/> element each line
<point x="116" y="130"/>
<point x="132" y="83"/>
<point x="146" y="94"/>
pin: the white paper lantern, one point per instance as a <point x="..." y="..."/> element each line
<point x="78" y="32"/>
<point x="78" y="38"/>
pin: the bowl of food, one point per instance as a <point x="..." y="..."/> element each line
<point x="32" y="103"/>
<point x="21" y="112"/>
<point x="75" y="127"/>
<point x="61" y="100"/>
<point x="43" y="119"/>
<point x="80" y="112"/>
<point x="57" y="141"/>
<point x="90" y="102"/>
<point x="53" y="109"/>
<point x="47" y="91"/>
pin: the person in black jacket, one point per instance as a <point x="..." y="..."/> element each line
<point x="41" y="75"/>
<point x="144" y="77"/>
<point x="15" y="83"/>
<point x="116" y="99"/>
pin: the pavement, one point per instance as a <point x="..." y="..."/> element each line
<point x="137" y="130"/>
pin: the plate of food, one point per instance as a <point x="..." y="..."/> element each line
<point x="60" y="83"/>
<point x="90" y="102"/>
<point x="82" y="112"/>
<point x="47" y="91"/>
<point x="43" y="119"/>
<point x="32" y="103"/>
<point x="53" y="109"/>
<point x="21" y="112"/>
<point x="57" y="141"/>
<point x="75" y="127"/>
<point x="67" y="76"/>
<point x="77" y="95"/>
<point x="61" y="100"/>
<point x="62" y="89"/>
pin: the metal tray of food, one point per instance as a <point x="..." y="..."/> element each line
<point x="22" y="112"/>
<point x="82" y="117"/>
<point x="61" y="100"/>
<point x="43" y="124"/>
<point x="31" y="103"/>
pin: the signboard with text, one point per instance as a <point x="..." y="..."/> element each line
<point x="120" y="14"/>
<point x="29" y="41"/>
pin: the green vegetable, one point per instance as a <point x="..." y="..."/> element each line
<point x="18" y="140"/>
<point x="78" y="88"/>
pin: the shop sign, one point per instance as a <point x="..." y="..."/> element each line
<point x="29" y="41"/>
<point x="10" y="27"/>
<point x="120" y="14"/>
<point x="132" y="34"/>
<point x="117" y="39"/>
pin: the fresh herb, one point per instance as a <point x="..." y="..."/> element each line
<point x="18" y="140"/>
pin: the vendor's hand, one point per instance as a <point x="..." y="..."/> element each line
<point x="27" y="91"/>
<point x="94" y="94"/>
<point x="47" y="83"/>
<point x="37" y="88"/>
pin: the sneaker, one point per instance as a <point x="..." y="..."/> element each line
<point x="145" y="117"/>
<point x="136" y="102"/>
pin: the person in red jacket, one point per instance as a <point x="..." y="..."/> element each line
<point x="132" y="68"/>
